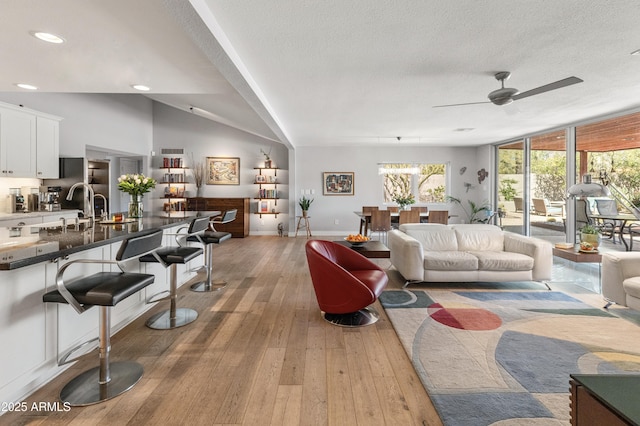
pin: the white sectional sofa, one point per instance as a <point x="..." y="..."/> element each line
<point x="468" y="253"/>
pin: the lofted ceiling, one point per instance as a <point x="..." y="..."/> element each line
<point x="338" y="72"/>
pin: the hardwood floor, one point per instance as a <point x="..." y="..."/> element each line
<point x="259" y="353"/>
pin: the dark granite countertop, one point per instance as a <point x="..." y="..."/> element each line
<point x="30" y="245"/>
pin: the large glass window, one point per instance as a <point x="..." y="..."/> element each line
<point x="427" y="183"/>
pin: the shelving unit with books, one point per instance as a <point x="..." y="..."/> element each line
<point x="175" y="181"/>
<point x="268" y="196"/>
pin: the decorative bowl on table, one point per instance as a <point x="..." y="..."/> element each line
<point x="356" y="240"/>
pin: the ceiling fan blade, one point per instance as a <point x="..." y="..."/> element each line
<point x="453" y="105"/>
<point x="547" y="87"/>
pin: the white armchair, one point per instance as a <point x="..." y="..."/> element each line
<point x="621" y="278"/>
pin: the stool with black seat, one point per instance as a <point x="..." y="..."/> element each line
<point x="207" y="239"/>
<point x="104" y="289"/>
<point x="170" y="257"/>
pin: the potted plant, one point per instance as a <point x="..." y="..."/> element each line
<point x="305" y="203"/>
<point x="474" y="210"/>
<point x="404" y="200"/>
<point x="590" y="236"/>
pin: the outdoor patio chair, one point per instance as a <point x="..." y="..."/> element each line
<point x="542" y="206"/>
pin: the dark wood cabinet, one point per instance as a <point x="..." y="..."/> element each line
<point x="239" y="228"/>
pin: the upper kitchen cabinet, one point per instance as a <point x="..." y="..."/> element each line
<point x="47" y="147"/>
<point x="17" y="144"/>
<point x="29" y="143"/>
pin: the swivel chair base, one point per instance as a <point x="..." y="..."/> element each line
<point x="166" y="320"/>
<point x="361" y="318"/>
<point x="86" y="389"/>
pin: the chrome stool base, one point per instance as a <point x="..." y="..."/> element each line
<point x="85" y="389"/>
<point x="365" y="316"/>
<point x="165" y="321"/>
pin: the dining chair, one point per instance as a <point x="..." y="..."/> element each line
<point x="393" y="209"/>
<point x="365" y="220"/>
<point x="439" y="216"/>
<point x="409" y="216"/>
<point x="381" y="223"/>
<point x="420" y="209"/>
<point x="608" y="207"/>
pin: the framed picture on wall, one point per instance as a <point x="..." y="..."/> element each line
<point x="223" y="171"/>
<point x="337" y="183"/>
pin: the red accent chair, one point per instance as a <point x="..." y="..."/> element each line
<point x="345" y="282"/>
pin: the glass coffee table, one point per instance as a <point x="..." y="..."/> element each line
<point x="574" y="254"/>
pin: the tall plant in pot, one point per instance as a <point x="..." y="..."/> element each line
<point x="305" y="203"/>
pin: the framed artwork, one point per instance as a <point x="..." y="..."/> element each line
<point x="337" y="183"/>
<point x="223" y="171"/>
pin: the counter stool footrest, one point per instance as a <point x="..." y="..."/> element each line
<point x="64" y="359"/>
<point x="166" y="295"/>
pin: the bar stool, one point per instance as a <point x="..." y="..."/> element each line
<point x="170" y="257"/>
<point x="207" y="239"/>
<point x="104" y="289"/>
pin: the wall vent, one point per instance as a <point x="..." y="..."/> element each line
<point x="172" y="150"/>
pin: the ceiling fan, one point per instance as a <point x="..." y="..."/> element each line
<point x="506" y="95"/>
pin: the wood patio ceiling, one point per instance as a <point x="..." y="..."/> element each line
<point x="616" y="134"/>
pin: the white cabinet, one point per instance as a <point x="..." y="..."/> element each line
<point x="47" y="148"/>
<point x="17" y="143"/>
<point x="29" y="144"/>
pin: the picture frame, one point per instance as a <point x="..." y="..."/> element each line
<point x="263" y="206"/>
<point x="223" y="171"/>
<point x="261" y="179"/>
<point x="338" y="183"/>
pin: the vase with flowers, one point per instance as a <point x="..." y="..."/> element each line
<point x="267" y="158"/>
<point x="404" y="200"/>
<point x="136" y="185"/>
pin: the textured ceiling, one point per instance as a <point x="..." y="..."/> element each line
<point x="339" y="72"/>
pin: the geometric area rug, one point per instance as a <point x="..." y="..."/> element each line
<point x="504" y="357"/>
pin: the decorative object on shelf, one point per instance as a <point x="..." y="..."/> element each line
<point x="404" y="201"/>
<point x="223" y="171"/>
<point x="199" y="169"/>
<point x="305" y="203"/>
<point x="338" y="183"/>
<point x="136" y="185"/>
<point x="267" y="158"/>
<point x="589" y="238"/>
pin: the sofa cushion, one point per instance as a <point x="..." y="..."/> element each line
<point x="433" y="237"/>
<point x="450" y="261"/>
<point x="478" y="237"/>
<point x="631" y="286"/>
<point x="503" y="261"/>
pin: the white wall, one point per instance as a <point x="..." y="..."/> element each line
<point x="327" y="209"/>
<point x="135" y="125"/>
<point x="203" y="138"/>
<point x="117" y="124"/>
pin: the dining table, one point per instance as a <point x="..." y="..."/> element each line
<point x="365" y="219"/>
<point x="623" y="219"/>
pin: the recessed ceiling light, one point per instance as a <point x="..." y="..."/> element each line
<point x="26" y="86"/>
<point x="48" y="37"/>
<point x="636" y="52"/>
<point x="141" y="87"/>
<point x="464" y="129"/>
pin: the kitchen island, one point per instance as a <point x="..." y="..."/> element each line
<point x="35" y="335"/>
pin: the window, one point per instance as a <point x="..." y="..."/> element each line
<point x="426" y="182"/>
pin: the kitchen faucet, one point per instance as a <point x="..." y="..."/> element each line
<point x="91" y="200"/>
<point x="105" y="210"/>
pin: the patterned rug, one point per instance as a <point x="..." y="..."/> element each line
<point x="504" y="357"/>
